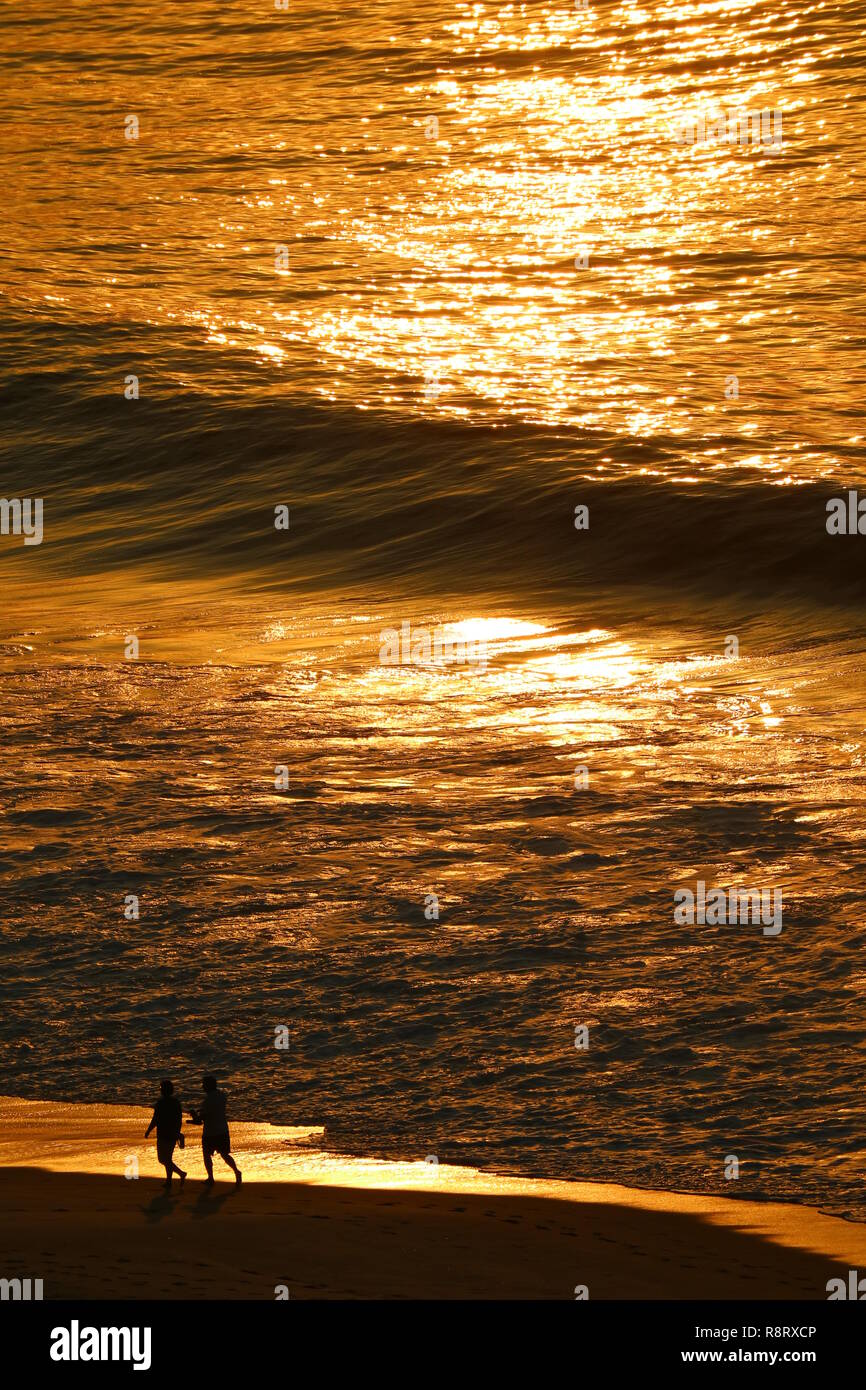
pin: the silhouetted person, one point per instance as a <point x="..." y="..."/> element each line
<point x="168" y="1122"/>
<point x="211" y="1115"/>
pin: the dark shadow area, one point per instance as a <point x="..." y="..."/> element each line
<point x="210" y="1200"/>
<point x="323" y="1242"/>
<point x="162" y="1204"/>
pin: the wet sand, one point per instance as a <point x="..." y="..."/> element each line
<point x="326" y="1227"/>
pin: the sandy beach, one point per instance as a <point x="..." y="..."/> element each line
<point x="328" y="1227"/>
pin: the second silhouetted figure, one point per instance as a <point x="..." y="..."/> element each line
<point x="211" y="1115"/>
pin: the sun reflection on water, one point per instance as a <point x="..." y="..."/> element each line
<point x="432" y="269"/>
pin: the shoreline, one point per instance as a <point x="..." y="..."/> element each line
<point x="75" y="1215"/>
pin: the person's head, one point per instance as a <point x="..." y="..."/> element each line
<point x="208" y="1083"/>
<point x="166" y="1087"/>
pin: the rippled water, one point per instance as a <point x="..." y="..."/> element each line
<point x="431" y="384"/>
<point x="431" y="267"/>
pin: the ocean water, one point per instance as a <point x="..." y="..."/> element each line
<point x="431" y="277"/>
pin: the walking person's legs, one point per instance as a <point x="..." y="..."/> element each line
<point x="165" y="1153"/>
<point x="223" y="1147"/>
<point x="227" y="1158"/>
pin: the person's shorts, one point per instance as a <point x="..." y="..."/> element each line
<point x="165" y="1148"/>
<point x="216" y="1144"/>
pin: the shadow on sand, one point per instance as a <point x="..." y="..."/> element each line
<point x="90" y="1236"/>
